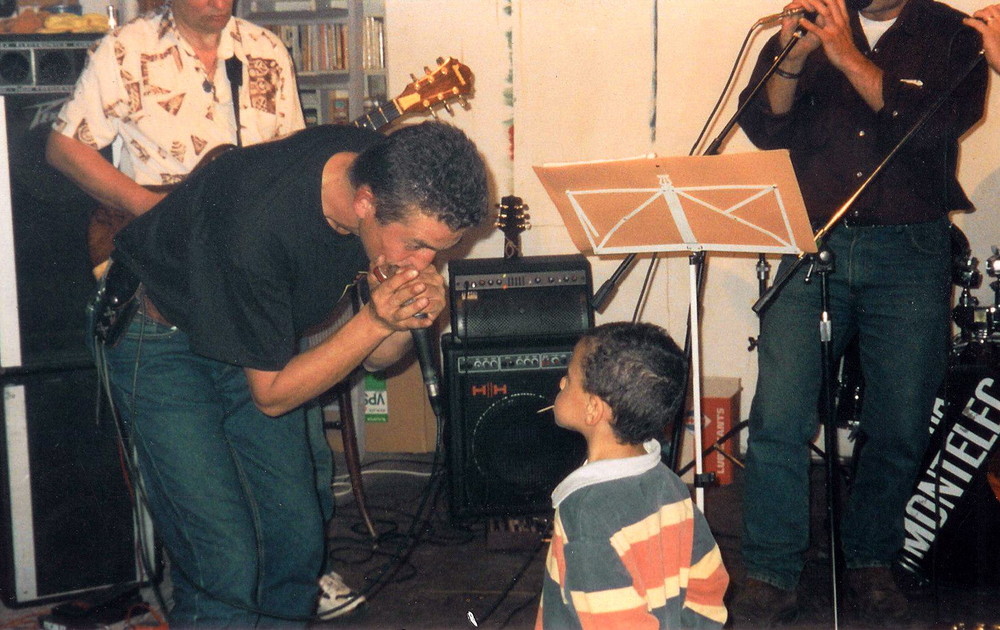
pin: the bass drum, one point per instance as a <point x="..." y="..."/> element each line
<point x="953" y="515"/>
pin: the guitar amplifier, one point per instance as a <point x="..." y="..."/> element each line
<point x="504" y="456"/>
<point x="530" y="296"/>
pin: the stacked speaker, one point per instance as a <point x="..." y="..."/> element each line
<point x="66" y="519"/>
<point x="514" y="324"/>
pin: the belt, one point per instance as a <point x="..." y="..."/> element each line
<point x="863" y="222"/>
<point x="853" y="221"/>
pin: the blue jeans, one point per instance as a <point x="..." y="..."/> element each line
<point x="231" y="490"/>
<point x="891" y="286"/>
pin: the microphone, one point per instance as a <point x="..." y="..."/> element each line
<point x="852" y="5"/>
<point x="428" y="367"/>
<point x="422" y="348"/>
<point x="777" y="17"/>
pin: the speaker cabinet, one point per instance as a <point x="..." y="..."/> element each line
<point x="521" y="297"/>
<point x="505" y="457"/>
<point x="67" y="521"/>
<point x="44" y="269"/>
<point x="66" y="518"/>
<point x="42" y="63"/>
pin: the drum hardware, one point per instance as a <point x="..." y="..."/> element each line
<point x="977" y="324"/>
<point x="964" y="266"/>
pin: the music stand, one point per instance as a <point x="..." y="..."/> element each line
<point x="747" y="203"/>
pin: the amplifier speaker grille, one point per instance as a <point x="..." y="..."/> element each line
<point x="504" y="457"/>
<point x="43" y="63"/>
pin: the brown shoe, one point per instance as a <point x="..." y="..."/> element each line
<point x="876" y="596"/>
<point x="761" y="605"/>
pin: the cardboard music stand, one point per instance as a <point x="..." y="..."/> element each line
<point x="735" y="203"/>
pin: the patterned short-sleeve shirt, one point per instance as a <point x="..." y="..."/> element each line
<point x="144" y="83"/>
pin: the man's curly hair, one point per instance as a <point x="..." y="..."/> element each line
<point x="431" y="167"/>
<point x="640" y="372"/>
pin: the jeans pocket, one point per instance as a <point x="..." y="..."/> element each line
<point x="144" y="327"/>
<point x="930" y="238"/>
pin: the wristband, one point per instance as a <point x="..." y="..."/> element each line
<point x="788" y="75"/>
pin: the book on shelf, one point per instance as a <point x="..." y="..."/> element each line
<point x="314" y="48"/>
<point x="339" y="106"/>
<point x="373" y="43"/>
<point x="311" y="107"/>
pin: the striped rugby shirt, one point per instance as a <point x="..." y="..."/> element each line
<point x="630" y="550"/>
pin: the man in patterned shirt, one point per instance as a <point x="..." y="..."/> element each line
<point x="160" y="85"/>
<point x="629" y="549"/>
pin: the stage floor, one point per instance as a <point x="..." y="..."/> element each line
<point x="455" y="578"/>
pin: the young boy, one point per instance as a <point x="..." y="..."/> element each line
<point x="629" y="549"/>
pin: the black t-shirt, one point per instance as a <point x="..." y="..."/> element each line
<point x="240" y="256"/>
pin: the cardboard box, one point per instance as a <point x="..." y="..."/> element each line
<point x="720" y="410"/>
<point x="396" y="419"/>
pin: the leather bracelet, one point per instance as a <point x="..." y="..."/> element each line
<point x="788" y="75"/>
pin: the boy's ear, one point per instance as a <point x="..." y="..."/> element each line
<point x="597" y="410"/>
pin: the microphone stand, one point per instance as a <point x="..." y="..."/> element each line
<point x="672" y="455"/>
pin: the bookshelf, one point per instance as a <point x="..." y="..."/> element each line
<point x="338" y="47"/>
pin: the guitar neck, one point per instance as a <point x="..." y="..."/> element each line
<point x="378" y="117"/>
<point x="511" y="247"/>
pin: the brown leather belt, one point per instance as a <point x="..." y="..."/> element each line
<point x="149" y="310"/>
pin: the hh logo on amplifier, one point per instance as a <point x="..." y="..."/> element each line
<point x="488" y="390"/>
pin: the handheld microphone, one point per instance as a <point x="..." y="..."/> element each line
<point x="422" y="348"/>
<point x="777" y="17"/>
<point x="852" y="5"/>
<point x="428" y="367"/>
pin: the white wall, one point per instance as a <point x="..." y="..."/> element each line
<point x="582" y="85"/>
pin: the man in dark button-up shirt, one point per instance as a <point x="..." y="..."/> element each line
<point x="849" y="90"/>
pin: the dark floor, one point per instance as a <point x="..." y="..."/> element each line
<point x="451" y="578"/>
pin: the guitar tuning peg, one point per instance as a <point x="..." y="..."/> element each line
<point x="427" y="70"/>
<point x="433" y="113"/>
<point x="447" y="107"/>
<point x="463" y="102"/>
<point x="439" y="60"/>
<point x="413" y="77"/>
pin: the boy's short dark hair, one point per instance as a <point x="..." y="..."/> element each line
<point x="431" y="166"/>
<point x="640" y="372"/>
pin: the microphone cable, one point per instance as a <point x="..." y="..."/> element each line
<point x="699" y="140"/>
<point x="725" y="88"/>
